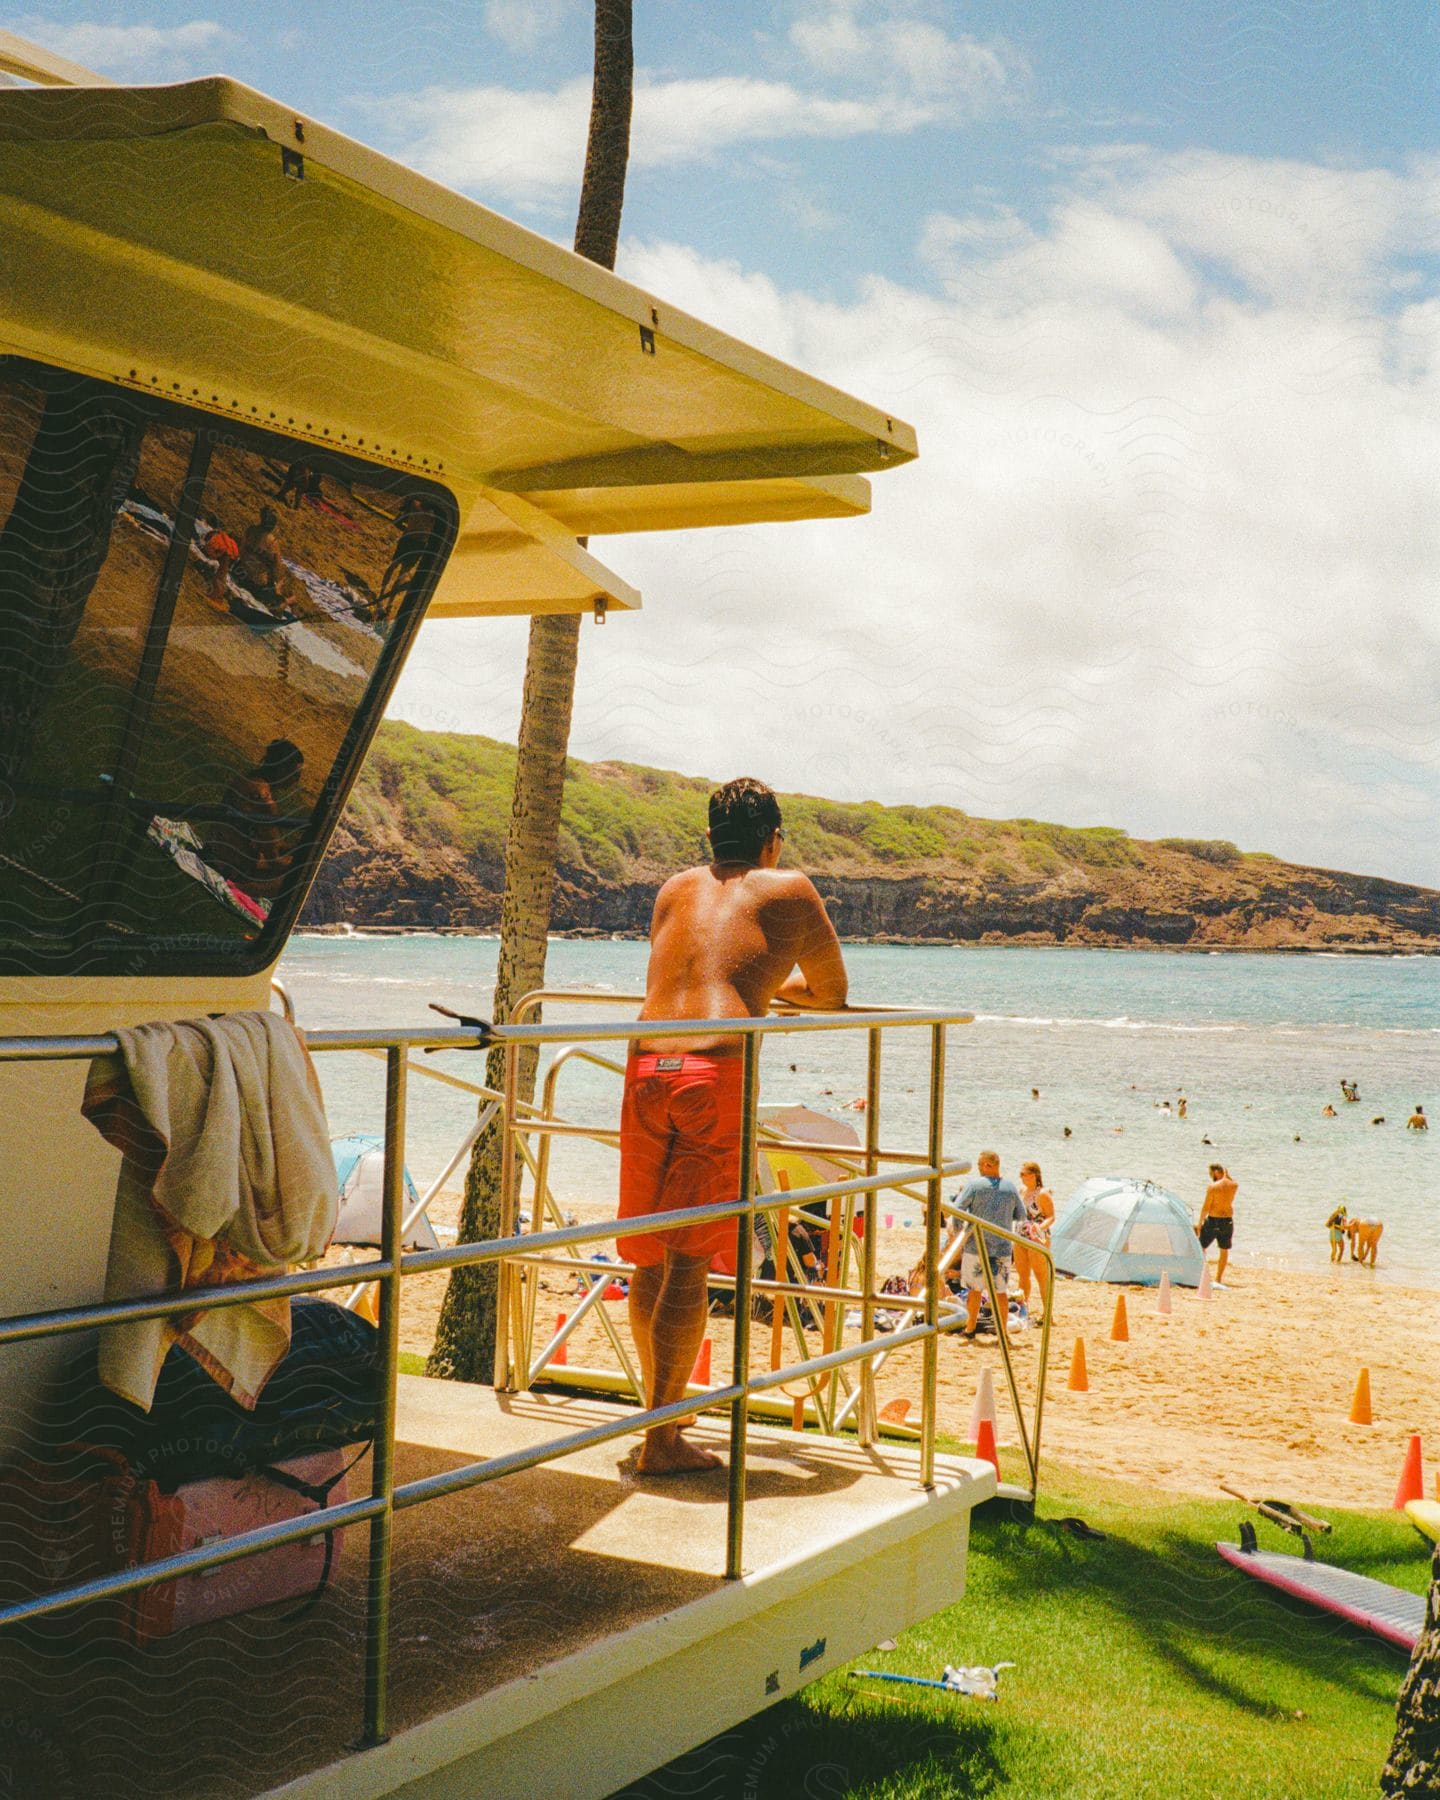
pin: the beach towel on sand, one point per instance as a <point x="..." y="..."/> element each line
<point x="227" y="1174"/>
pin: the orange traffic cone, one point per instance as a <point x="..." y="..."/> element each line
<point x="700" y="1374"/>
<point x="1120" y="1325"/>
<point x="1360" y="1413"/>
<point x="1079" y="1382"/>
<point x="1162" y="1305"/>
<point x="561" y="1357"/>
<point x="985" y="1449"/>
<point x="1412" y="1481"/>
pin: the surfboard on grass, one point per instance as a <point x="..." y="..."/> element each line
<point x="1390" y="1612"/>
<point x="1424" y="1515"/>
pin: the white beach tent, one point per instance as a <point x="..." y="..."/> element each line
<point x="360" y="1173"/>
<point x="1118" y="1228"/>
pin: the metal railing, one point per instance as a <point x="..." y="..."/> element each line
<point x="834" y="1295"/>
<point x="511" y="1250"/>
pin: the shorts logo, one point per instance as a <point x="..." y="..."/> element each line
<point x="669" y="1065"/>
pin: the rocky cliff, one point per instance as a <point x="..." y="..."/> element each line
<point x="422" y="845"/>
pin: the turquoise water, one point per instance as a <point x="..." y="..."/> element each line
<point x="1257" y="1044"/>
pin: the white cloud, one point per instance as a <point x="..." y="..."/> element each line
<point x="528" y="146"/>
<point x="898" y="44"/>
<point x="1167" y="559"/>
<point x="523" y="25"/>
<point x="133" y="52"/>
<point x="499" y="143"/>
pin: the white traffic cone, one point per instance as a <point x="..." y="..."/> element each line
<point x="984" y="1407"/>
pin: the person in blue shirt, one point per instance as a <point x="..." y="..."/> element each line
<point x="997" y="1201"/>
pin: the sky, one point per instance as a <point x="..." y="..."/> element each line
<point x="1158" y="285"/>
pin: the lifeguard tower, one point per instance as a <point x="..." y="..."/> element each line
<point x="269" y="403"/>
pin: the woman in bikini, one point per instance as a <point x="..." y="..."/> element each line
<point x="1039" y="1217"/>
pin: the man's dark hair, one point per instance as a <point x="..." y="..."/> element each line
<point x="282" y="760"/>
<point x="744" y="816"/>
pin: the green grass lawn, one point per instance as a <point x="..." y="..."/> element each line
<point x="1147" y="1669"/>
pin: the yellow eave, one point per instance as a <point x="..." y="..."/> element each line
<point x="207" y="243"/>
<point x="683" y="506"/>
<point x="156" y="236"/>
<point x="511" y="558"/>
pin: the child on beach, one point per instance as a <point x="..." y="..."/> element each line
<point x="1335" y="1225"/>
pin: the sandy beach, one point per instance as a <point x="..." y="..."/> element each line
<point x="1252" y="1387"/>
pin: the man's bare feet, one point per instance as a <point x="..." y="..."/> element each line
<point x="665" y="1452"/>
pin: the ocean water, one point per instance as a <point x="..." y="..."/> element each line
<point x="1257" y="1044"/>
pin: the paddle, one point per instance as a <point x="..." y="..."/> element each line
<point x="1280" y="1512"/>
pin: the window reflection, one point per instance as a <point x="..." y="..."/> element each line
<point x="180" y="737"/>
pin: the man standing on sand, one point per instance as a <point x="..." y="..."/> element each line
<point x="1217" y="1217"/>
<point x="998" y="1202"/>
<point x="726" y="939"/>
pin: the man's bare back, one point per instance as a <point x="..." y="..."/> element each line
<point x="1220" y="1198"/>
<point x="727" y="939"/>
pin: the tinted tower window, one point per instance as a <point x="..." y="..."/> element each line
<point x="198" y="629"/>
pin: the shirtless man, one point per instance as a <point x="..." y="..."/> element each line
<point x="726" y="939"/>
<point x="1217" y="1217"/>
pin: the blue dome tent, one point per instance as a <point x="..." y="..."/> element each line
<point x="1118" y="1228"/>
<point x="360" y="1172"/>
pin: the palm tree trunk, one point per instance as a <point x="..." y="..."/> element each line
<point x="1414" y="1765"/>
<point x="465" y="1339"/>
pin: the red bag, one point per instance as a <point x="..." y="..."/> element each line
<point x="90" y="1515"/>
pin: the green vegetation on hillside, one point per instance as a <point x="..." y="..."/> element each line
<point x="423" y="844"/>
<point x="622" y="820"/>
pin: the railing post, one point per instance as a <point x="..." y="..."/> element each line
<point x="377" y="1597"/>
<point x="1042" y="1373"/>
<point x="740" y="1368"/>
<point x="866" y="1421"/>
<point x="506" y="1345"/>
<point x="931" y="1365"/>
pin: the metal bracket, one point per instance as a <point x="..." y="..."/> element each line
<point x="292" y="164"/>
<point x="647" y="341"/>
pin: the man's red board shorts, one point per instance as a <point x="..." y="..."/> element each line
<point x="679" y="1147"/>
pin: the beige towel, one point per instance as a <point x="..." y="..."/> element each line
<point x="227" y="1174"/>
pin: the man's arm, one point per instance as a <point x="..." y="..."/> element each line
<point x="820" y="982"/>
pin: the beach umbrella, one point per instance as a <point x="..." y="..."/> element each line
<point x="1122" y="1228"/>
